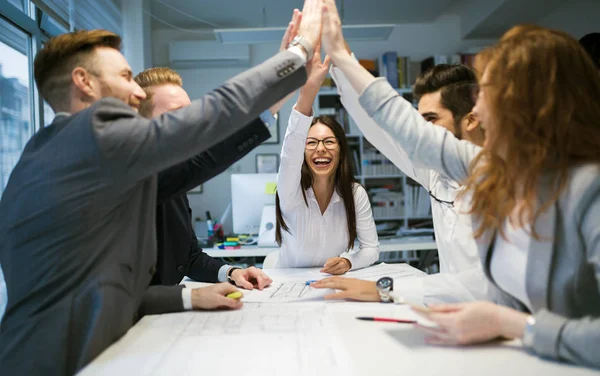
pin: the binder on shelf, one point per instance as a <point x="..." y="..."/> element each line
<point x="390" y="62"/>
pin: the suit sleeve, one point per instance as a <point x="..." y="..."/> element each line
<point x="135" y="148"/>
<point x="184" y="176"/>
<point x="202" y="267"/>
<point x="575" y="339"/>
<point x="161" y="299"/>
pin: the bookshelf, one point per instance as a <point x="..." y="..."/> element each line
<point x="399" y="205"/>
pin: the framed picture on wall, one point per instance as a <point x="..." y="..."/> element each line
<point x="267" y="163"/>
<point x="198" y="189"/>
<point x="274" y="130"/>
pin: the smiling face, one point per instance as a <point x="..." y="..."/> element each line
<point x="114" y="78"/>
<point x="321" y="161"/>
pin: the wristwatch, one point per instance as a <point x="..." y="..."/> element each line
<point x="385" y="286"/>
<point x="528" y="333"/>
<point x="299" y="40"/>
<point x="230" y="272"/>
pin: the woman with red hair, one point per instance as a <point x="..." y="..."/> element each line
<point x="534" y="188"/>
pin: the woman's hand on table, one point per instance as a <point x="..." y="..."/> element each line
<point x="470" y="323"/>
<point x="350" y="288"/>
<point x="336" y="266"/>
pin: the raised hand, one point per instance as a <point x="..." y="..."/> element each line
<point x="292" y="30"/>
<point x="317" y="69"/>
<point x="332" y="38"/>
<point x="311" y="25"/>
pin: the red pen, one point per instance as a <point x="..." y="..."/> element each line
<point x="384" y="319"/>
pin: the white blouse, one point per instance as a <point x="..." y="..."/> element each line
<point x="316" y="237"/>
<point x="509" y="262"/>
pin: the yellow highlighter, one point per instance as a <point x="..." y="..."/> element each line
<point x="235" y="295"/>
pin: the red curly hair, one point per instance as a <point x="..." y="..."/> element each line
<point x="543" y="96"/>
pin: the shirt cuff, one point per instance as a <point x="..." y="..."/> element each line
<point x="408" y="290"/>
<point x="186" y="298"/>
<point x="269" y="119"/>
<point x="298" y="51"/>
<point x="222" y="275"/>
<point x="299" y="121"/>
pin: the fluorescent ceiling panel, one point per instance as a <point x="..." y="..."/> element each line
<point x="274" y="34"/>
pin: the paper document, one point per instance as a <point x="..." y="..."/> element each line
<point x="260" y="339"/>
<point x="286" y="292"/>
<point x="373" y="273"/>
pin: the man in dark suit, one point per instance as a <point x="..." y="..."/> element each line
<point x="178" y="252"/>
<point x="77" y="218"/>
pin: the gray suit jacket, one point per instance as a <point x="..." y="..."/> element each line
<point x="563" y="268"/>
<point x="77" y="218"/>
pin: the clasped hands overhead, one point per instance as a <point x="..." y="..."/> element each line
<point x="319" y="25"/>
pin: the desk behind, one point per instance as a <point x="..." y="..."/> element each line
<point x="385" y="245"/>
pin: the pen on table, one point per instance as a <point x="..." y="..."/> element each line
<point x="385" y="319"/>
<point x="309" y="282"/>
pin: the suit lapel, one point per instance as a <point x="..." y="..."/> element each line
<point x="539" y="260"/>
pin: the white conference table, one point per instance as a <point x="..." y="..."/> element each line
<point x="185" y="344"/>
<point x="385" y="245"/>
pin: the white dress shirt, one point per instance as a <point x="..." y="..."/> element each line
<point x="461" y="276"/>
<point x="509" y="262"/>
<point x="316" y="237"/>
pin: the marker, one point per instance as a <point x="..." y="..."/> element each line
<point x="235" y="295"/>
<point x="384" y="319"/>
<point x="309" y="282"/>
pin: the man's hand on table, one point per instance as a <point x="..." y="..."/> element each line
<point x="351" y="288"/>
<point x="251" y="278"/>
<point x="213" y="297"/>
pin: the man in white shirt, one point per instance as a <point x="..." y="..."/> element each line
<point x="446" y="96"/>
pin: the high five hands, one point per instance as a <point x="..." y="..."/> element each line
<point x="319" y="24"/>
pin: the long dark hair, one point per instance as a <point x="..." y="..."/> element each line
<point x="344" y="182"/>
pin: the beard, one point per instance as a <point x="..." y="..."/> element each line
<point x="107" y="91"/>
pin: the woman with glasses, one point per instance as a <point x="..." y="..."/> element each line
<point x="534" y="188"/>
<point x="321" y="210"/>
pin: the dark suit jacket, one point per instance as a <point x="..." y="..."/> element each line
<point x="77" y="218"/>
<point x="178" y="252"/>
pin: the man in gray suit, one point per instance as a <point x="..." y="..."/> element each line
<point x="77" y="217"/>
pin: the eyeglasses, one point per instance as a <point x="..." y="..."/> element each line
<point x="449" y="203"/>
<point x="329" y="143"/>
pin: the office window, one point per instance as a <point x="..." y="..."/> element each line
<point x="48" y="114"/>
<point x="16" y="123"/>
<point x="20" y="4"/>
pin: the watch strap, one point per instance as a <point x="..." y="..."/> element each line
<point x="528" y="333"/>
<point x="230" y="272"/>
<point x="300" y="40"/>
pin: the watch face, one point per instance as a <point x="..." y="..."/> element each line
<point x="385" y="283"/>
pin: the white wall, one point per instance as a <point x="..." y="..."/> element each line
<point x="416" y="40"/>
<point x="577" y="18"/>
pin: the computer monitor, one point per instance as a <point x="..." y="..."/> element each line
<point x="249" y="194"/>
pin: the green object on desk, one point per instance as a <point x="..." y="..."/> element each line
<point x="271" y="188"/>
